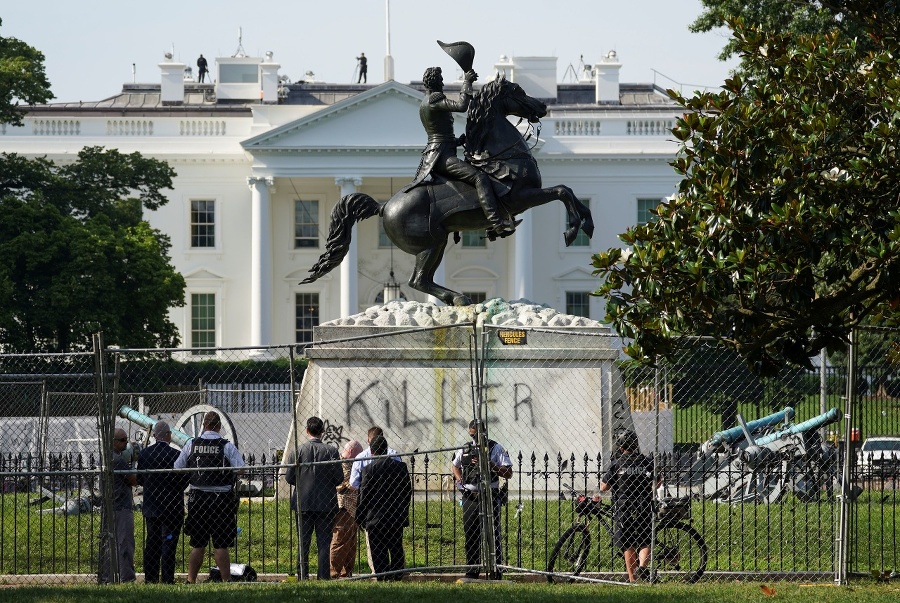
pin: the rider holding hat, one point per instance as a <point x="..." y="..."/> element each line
<point x="439" y="156"/>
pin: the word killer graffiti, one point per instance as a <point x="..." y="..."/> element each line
<point x="394" y="409"/>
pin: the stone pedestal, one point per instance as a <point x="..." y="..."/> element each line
<point x="549" y="384"/>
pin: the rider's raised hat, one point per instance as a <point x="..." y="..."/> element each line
<point x="461" y="52"/>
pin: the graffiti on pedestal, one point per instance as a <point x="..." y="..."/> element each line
<point x="334" y="435"/>
<point x="372" y="403"/>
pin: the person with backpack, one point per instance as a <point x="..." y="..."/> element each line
<point x="630" y="478"/>
<point x="212" y="502"/>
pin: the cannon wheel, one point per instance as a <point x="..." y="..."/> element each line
<point x="191" y="422"/>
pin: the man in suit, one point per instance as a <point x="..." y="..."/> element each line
<point x="383" y="509"/>
<point x="315" y="497"/>
<point x="363" y="459"/>
<point x="163" y="505"/>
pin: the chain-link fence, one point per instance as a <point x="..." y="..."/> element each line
<point x="746" y="474"/>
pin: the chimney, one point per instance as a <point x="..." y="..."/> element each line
<point x="536" y="75"/>
<point x="268" y="71"/>
<point x="172" y="85"/>
<point x="607" y="73"/>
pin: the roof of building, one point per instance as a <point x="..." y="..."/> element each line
<point x="202" y="98"/>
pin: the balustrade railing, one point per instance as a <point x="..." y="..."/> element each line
<point x="129" y="127"/>
<point x="56" y="127"/>
<point x="201" y="127"/>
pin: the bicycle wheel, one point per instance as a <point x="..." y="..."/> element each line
<point x="570" y="553"/>
<point x="679" y="553"/>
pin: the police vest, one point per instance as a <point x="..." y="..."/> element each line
<point x="471" y="473"/>
<point x="634" y="480"/>
<point x="209" y="455"/>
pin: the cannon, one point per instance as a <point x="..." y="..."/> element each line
<point x="757" y="461"/>
<point x="184" y="429"/>
<point x="179" y="438"/>
<point x="720" y="440"/>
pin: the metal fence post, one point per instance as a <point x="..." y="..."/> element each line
<point x="488" y="542"/>
<point x="108" y="550"/>
<point x="843" y="535"/>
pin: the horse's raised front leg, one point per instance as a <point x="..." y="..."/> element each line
<point x="422" y="278"/>
<point x="587" y="220"/>
<point x="578" y="214"/>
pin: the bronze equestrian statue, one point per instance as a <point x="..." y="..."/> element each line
<point x="439" y="156"/>
<point x="421" y="216"/>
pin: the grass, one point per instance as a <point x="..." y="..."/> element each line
<point x="433" y="592"/>
<point x="788" y="536"/>
<point x="875" y="416"/>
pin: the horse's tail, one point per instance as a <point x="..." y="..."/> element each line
<point x="348" y="211"/>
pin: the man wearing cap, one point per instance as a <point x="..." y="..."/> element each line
<point x="465" y="467"/>
<point x="439" y="157"/>
<point x="163" y="506"/>
<point x="212" y="504"/>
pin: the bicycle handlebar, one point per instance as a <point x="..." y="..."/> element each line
<point x="587" y="506"/>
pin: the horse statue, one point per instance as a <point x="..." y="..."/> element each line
<point x="420" y="221"/>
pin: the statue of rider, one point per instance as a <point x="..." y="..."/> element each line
<point x="439" y="156"/>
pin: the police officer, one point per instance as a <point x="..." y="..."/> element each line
<point x="465" y="468"/>
<point x="630" y="477"/>
<point x="202" y="68"/>
<point x="212" y="504"/>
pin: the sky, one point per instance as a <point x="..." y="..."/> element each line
<point x="92" y="47"/>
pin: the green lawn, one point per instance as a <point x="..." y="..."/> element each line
<point x="433" y="592"/>
<point x="788" y="536"/>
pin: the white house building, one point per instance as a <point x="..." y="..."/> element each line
<point x="261" y="161"/>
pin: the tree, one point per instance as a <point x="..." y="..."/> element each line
<point x="22" y="79"/>
<point x="785" y="232"/>
<point x="799" y="17"/>
<point x="76" y="257"/>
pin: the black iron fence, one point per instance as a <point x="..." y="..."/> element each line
<point x="778" y="518"/>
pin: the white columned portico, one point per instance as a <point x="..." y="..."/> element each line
<point x="523" y="269"/>
<point x="260" y="260"/>
<point x="349" y="270"/>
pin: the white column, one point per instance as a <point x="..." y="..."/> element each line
<point x="523" y="270"/>
<point x="260" y="260"/>
<point x="349" y="270"/>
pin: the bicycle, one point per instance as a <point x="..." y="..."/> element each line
<point x="679" y="551"/>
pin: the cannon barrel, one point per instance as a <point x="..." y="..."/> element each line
<point x="732" y="435"/>
<point x="179" y="438"/>
<point x="826" y="418"/>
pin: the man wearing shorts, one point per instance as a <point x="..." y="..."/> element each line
<point x="630" y="477"/>
<point x="212" y="504"/>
